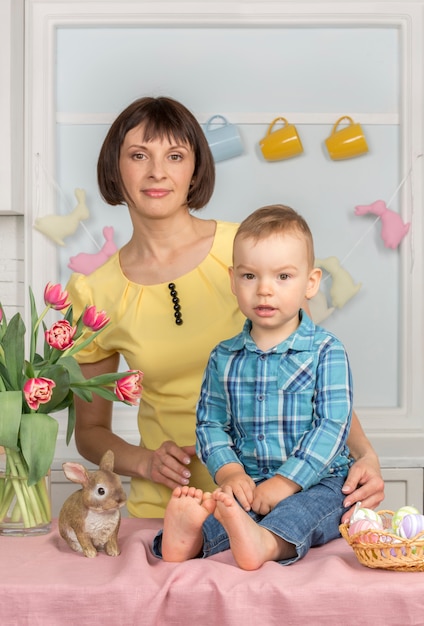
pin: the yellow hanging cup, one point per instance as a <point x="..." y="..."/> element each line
<point x="283" y="143"/>
<point x="347" y="142"/>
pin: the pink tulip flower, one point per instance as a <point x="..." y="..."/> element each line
<point x="55" y="297"/>
<point x="95" y="319"/>
<point x="38" y="391"/>
<point x="60" y="335"/>
<point x="129" y="389"/>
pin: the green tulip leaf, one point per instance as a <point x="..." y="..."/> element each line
<point x="34" y="327"/>
<point x="71" y="423"/>
<point x="4" y="374"/>
<point x="74" y="370"/>
<point x="14" y="350"/>
<point x="84" y="394"/>
<point x="38" y="435"/>
<point x="10" y="418"/>
<point x="103" y="379"/>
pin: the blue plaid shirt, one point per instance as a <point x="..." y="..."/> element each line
<point x="286" y="411"/>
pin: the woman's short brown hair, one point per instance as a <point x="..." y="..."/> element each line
<point x="161" y="118"/>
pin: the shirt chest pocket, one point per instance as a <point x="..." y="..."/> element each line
<point x="297" y="374"/>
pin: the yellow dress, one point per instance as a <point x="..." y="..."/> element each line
<point x="172" y="357"/>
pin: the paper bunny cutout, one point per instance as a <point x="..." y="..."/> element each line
<point x="393" y="230"/>
<point x="319" y="308"/>
<point x="343" y="287"/>
<point x="57" y="227"/>
<point x="86" y="263"/>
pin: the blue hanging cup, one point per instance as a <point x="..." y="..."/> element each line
<point x="224" y="140"/>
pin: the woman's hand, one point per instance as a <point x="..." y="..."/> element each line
<point x="364" y="484"/>
<point x="168" y="464"/>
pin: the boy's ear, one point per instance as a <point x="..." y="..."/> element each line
<point x="314" y="281"/>
<point x="231" y="273"/>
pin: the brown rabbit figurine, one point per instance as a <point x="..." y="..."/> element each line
<point x="89" y="518"/>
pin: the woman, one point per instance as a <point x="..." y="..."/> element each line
<point x="168" y="294"/>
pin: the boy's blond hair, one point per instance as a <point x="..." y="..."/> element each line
<point x="275" y="219"/>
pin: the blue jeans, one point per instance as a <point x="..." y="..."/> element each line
<point x="306" y="519"/>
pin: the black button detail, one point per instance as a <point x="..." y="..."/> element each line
<point x="176" y="302"/>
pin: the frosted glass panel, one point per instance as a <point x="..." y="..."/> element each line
<point x="245" y="69"/>
<point x="241" y="70"/>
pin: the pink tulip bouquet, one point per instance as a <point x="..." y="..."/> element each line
<point x="32" y="388"/>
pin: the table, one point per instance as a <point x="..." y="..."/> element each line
<point x="44" y="583"/>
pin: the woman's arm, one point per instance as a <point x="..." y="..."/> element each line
<point x="94" y="435"/>
<point x="364" y="482"/>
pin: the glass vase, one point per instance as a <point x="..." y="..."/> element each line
<point x="24" y="509"/>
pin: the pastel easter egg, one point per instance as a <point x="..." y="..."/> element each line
<point x="365" y="524"/>
<point x="410" y="525"/>
<point x="400" y="514"/>
<point x="397" y="553"/>
<point x="364" y="513"/>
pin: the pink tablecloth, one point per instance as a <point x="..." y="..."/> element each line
<point x="44" y="583"/>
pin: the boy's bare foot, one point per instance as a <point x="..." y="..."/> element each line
<point x="251" y="544"/>
<point x="187" y="509"/>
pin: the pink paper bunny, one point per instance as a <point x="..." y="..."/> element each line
<point x="393" y="230"/>
<point x="86" y="263"/>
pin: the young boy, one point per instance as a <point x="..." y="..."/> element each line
<point x="273" y="415"/>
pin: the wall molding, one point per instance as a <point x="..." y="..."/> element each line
<point x="369" y="119"/>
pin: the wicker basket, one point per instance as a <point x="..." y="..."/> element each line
<point x="389" y="551"/>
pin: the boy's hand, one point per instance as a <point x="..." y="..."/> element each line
<point x="243" y="487"/>
<point x="269" y="493"/>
